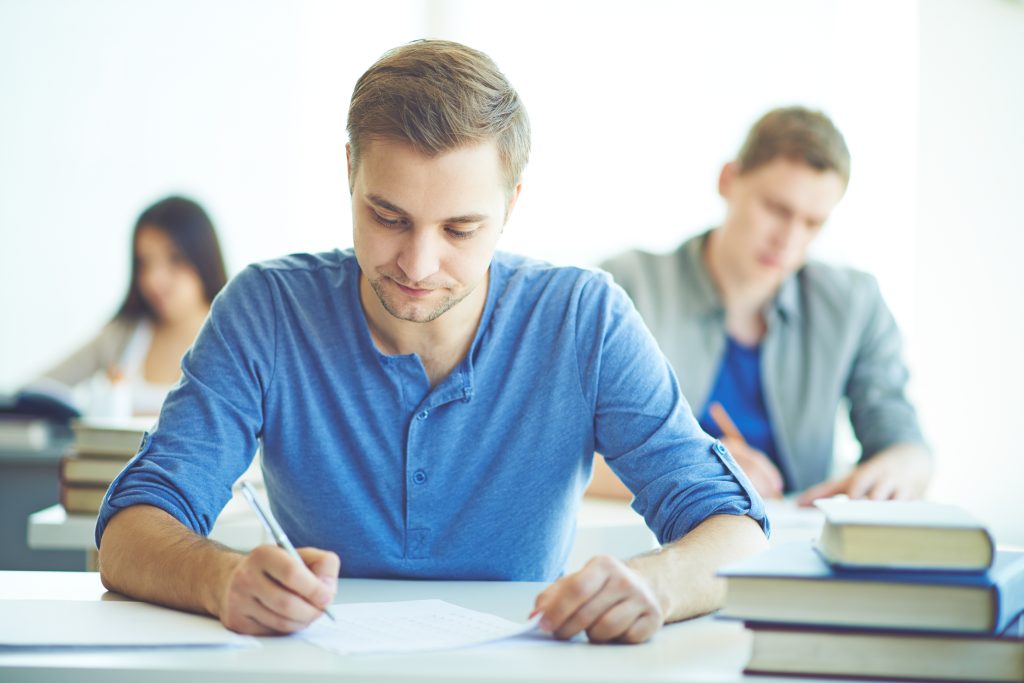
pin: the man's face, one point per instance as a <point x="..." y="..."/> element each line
<point x="425" y="228"/>
<point x="774" y="213"/>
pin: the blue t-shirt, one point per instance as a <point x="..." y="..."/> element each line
<point x="480" y="477"/>
<point x="738" y="388"/>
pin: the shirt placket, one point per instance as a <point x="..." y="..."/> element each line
<point x="422" y="448"/>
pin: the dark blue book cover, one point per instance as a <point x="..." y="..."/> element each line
<point x="801" y="562"/>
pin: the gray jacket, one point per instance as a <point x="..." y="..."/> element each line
<point x="830" y="336"/>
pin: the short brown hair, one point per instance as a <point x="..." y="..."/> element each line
<point x="440" y="95"/>
<point x="798" y="134"/>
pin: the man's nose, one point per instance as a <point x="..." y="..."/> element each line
<point x="421" y="256"/>
<point x="786" y="230"/>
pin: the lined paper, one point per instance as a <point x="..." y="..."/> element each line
<point x="409" y="626"/>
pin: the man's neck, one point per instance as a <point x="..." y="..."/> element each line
<point x="441" y="344"/>
<point x="743" y="297"/>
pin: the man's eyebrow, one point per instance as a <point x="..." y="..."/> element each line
<point x="379" y="201"/>
<point x="385" y="204"/>
<point x="468" y="218"/>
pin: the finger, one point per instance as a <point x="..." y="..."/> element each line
<point x="271" y="619"/>
<point x="902" y="492"/>
<point x="283" y="602"/>
<point x="642" y="629"/>
<point x="765" y="476"/>
<point x="770" y="473"/>
<point x="615" y="622"/>
<point x="564" y="597"/>
<point x="883" y="489"/>
<point x="862" y="480"/>
<point x="293" y="576"/>
<point x="616" y="589"/>
<point x="825" y="489"/>
<point x="250" y="627"/>
<point x="762" y="484"/>
<point x="325" y="564"/>
<point x="724" y="422"/>
<point x="756" y="465"/>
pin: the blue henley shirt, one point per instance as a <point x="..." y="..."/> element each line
<point x="478" y="478"/>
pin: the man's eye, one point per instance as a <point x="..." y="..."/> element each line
<point x="385" y="221"/>
<point x="460" y="234"/>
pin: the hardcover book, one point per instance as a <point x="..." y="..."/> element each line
<point x="792" y="583"/>
<point x="903" y="535"/>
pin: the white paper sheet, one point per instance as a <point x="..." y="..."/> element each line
<point x="408" y="626"/>
<point x="70" y="623"/>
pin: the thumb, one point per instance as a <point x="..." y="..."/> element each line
<point x="823" y="490"/>
<point x="324" y="563"/>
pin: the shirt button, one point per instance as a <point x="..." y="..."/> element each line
<point x="720" y="448"/>
<point x="423" y="415"/>
<point x="419" y="476"/>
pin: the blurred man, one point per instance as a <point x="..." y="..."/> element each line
<point x="766" y="343"/>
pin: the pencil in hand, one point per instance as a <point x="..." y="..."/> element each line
<point x="724" y="422"/>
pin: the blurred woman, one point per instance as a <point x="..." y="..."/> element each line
<point x="177" y="270"/>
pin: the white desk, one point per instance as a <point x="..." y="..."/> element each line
<point x="700" y="650"/>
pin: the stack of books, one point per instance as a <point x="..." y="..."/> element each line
<point x="907" y="590"/>
<point x="100" y="450"/>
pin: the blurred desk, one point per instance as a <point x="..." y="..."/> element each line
<point x="28" y="482"/>
<point x="792" y="523"/>
<point x="603" y="527"/>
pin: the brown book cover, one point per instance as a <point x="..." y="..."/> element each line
<point x="76" y="468"/>
<point x="82" y="499"/>
<point x="115" y="438"/>
<point x="785" y="650"/>
<point x="903" y="534"/>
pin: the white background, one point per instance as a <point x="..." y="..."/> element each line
<point x="109" y="105"/>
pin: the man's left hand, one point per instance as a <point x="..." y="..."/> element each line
<point x="898" y="473"/>
<point x="607" y="599"/>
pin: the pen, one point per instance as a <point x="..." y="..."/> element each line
<point x="274" y="529"/>
<point x="724" y="422"/>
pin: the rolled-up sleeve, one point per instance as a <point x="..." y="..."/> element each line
<point x="210" y="423"/>
<point x="644" y="427"/>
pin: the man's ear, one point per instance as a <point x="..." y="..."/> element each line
<point x="513" y="198"/>
<point x="348" y="163"/>
<point x="726" y="178"/>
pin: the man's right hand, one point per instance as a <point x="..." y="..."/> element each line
<point x="269" y="593"/>
<point x="763" y="473"/>
<point x="758" y="467"/>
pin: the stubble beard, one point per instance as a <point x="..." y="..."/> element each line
<point x="377" y="284"/>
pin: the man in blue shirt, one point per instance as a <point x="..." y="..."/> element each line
<point x="428" y="407"/>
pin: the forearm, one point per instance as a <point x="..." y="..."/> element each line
<point x="148" y="555"/>
<point x="682" y="574"/>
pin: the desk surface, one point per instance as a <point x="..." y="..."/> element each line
<point x="700" y="650"/>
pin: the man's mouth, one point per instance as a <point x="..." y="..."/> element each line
<point x="412" y="291"/>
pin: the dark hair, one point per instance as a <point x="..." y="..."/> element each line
<point x="191" y="230"/>
<point x="439" y="96"/>
<point x="798" y="134"/>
